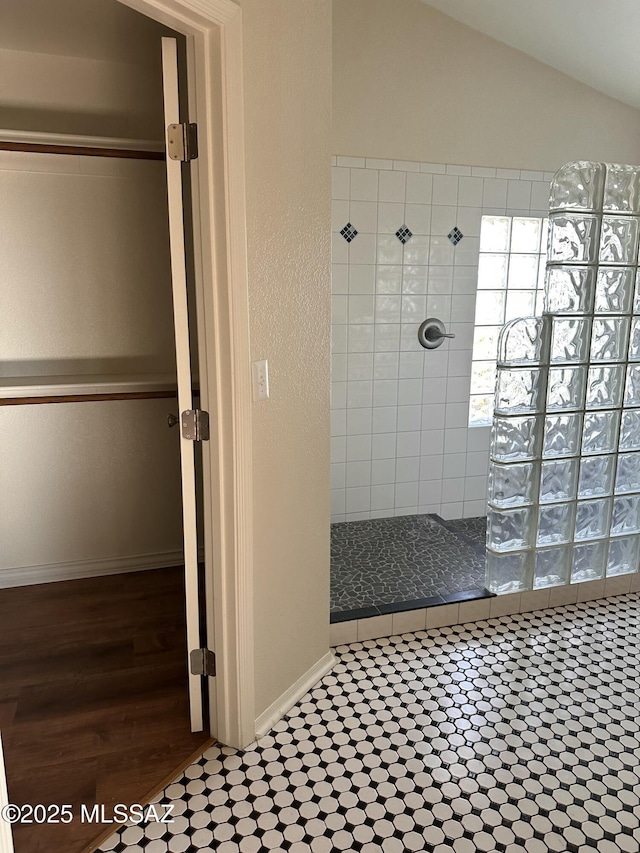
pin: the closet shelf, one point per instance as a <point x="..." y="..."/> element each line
<point x="49" y="388"/>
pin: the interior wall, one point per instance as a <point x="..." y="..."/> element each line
<point x="410" y="83"/>
<point x="287" y="74"/>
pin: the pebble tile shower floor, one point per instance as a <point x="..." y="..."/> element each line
<point x="519" y="734"/>
<point x="385" y="560"/>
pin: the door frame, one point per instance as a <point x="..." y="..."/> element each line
<point x="213" y="30"/>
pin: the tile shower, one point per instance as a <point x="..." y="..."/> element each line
<point x="405" y="247"/>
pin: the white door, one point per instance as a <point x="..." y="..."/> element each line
<point x="183" y="362"/>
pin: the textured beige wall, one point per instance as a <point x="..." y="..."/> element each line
<point x="411" y="83"/>
<point x="287" y="66"/>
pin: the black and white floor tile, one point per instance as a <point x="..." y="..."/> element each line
<point x="519" y="735"/>
<point x="385" y="560"/>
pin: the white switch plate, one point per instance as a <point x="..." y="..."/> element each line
<point x="261" y="380"/>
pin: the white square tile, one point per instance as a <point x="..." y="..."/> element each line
<point x="453" y="169"/>
<point x="460" y="364"/>
<point x="390" y="253"/>
<point x="419" y="188"/>
<point x="519" y="194"/>
<point x="618" y="585"/>
<point x="338" y="501"/>
<point x="374" y="163"/>
<point x="364" y="216"/>
<point x="358" y="421"/>
<point x="535" y="599"/>
<point x="463" y="308"/>
<point x="416" y="251"/>
<point x="441" y="252"/>
<point x="453" y="466"/>
<point x="409" y="338"/>
<point x="411" y="365"/>
<point x="338" y="475"/>
<point x="418" y="218"/>
<point x="443" y="615"/>
<point x="475" y="488"/>
<point x="385" y="419"/>
<point x="450" y="511"/>
<point x="475" y="611"/>
<point x="453" y="488"/>
<point x="465" y="281"/>
<point x="470" y="192"/>
<point x="339" y="367"/>
<point x="388" y="309"/>
<point x="431" y="467"/>
<point x="339" y="278"/>
<point x="339" y="249"/>
<point x="385" y="392"/>
<point x="364" y="185"/>
<point x="415" y="279"/>
<point x="408" y="469"/>
<point x="361" y="309"/>
<point x="339" y="421"/>
<point x="340" y="182"/>
<point x="358" y="450"/>
<point x="443" y="219"/>
<point x="540" y="196"/>
<point x="561" y="595"/>
<point x="383" y="446"/>
<point x="382" y="513"/>
<point x="383" y="472"/>
<point x="360" y="337"/>
<point x="357" y="516"/>
<point x="359" y="394"/>
<point x="440" y="280"/>
<point x="339" y="339"/>
<point x="406" y="165"/>
<point x="409" y="621"/>
<point x="505" y="605"/>
<point x="413" y="309"/>
<point x="469" y="220"/>
<point x="358" y="500"/>
<point x="390" y="217"/>
<point x="408" y="444"/>
<point x="455" y="440"/>
<point x="458" y="392"/>
<point x="339" y="308"/>
<point x="430" y="493"/>
<point x="338" y="395"/>
<point x="590" y="590"/>
<point x="431" y="440"/>
<point x="389" y="279"/>
<point x="362" y="279"/>
<point x="339" y="448"/>
<point x="340" y="214"/>
<point x="358" y="474"/>
<point x="391" y="186"/>
<point x="477" y="463"/>
<point x="362" y="250"/>
<point x="433" y="168"/>
<point x="483" y="172"/>
<point x="357" y="162"/>
<point x="478" y="439"/>
<point x="409" y="392"/>
<point x="467" y="252"/>
<point x="406" y="495"/>
<point x="445" y="189"/>
<point x="434" y="391"/>
<point x="474" y="509"/>
<point x="439" y="306"/>
<point x="456" y="416"/>
<point x="409" y="418"/>
<point x="343" y="633"/>
<point x="436" y="364"/>
<point x="375" y="627"/>
<point x="387" y="339"/>
<point x="463" y="336"/>
<point x="494" y="193"/>
<point x="360" y="366"/>
<point x="383" y="496"/>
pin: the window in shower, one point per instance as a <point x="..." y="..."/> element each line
<point x="511" y="267"/>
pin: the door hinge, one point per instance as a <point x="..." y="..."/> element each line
<point x="183" y="141"/>
<point x="195" y="425"/>
<point x="203" y="662"/>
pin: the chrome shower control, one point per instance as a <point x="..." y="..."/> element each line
<point x="432" y="333"/>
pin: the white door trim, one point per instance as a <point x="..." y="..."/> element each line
<point x="6" y="836"/>
<point x="214" y="46"/>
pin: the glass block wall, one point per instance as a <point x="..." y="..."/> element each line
<point x="564" y="481"/>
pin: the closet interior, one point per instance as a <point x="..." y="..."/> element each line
<point x="93" y="694"/>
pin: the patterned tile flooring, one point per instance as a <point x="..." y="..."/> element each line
<point x="385" y="560"/>
<point x="519" y="735"/>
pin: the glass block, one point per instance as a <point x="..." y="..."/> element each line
<point x="622" y="188"/>
<point x="566" y="388"/>
<point x="630" y="431"/>
<point x="512" y="485"/>
<point x="596" y="476"/>
<point x="515" y="439"/>
<point x="489" y="307"/>
<point x="485" y="342"/>
<point x="573" y="239"/>
<point x="510" y="529"/>
<point x="604" y="387"/>
<point x="570" y="290"/>
<point x="495" y="234"/>
<point x="614" y="291"/>
<point x="625" y="517"/>
<point x="525" y="234"/>
<point x="624" y="555"/>
<point x="481" y="409"/>
<point x="523" y="272"/>
<point x="552" y="567"/>
<point x="636" y="300"/>
<point x="592" y="519"/>
<point x="589" y="560"/>
<point x="562" y="435"/>
<point x="520" y="341"/>
<point x="632" y="387"/>
<point x="555" y="524"/>
<point x="628" y="473"/>
<point x="483" y="377"/>
<point x="492" y="271"/>
<point x="619" y="240"/>
<point x="518" y="391"/>
<point x="569" y="340"/>
<point x="578" y="186"/>
<point x="509" y="572"/>
<point x="558" y="480"/>
<point x="609" y="338"/>
<point x="600" y="432"/>
<point x="634" y="340"/>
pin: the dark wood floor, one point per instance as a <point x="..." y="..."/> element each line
<point x="93" y="697"/>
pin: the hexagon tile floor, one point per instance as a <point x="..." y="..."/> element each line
<point x="519" y="734"/>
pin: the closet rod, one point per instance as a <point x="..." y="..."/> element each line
<point x="88" y="398"/>
<point x="82" y="150"/>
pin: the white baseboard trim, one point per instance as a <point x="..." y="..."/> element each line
<point x="28" y="575"/>
<point x="284" y="703"/>
<point x="6" y="836"/>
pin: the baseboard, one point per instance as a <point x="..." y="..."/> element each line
<point x="284" y="703"/>
<point x="28" y="575"/>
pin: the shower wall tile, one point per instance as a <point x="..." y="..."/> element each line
<point x="400" y="441"/>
